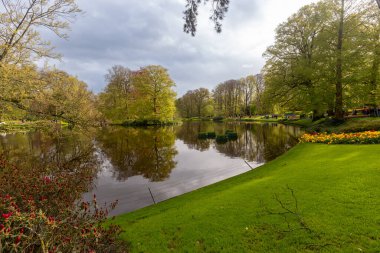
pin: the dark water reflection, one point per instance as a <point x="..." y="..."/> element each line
<point x="167" y="160"/>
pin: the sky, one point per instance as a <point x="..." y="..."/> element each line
<point x="135" y="33"/>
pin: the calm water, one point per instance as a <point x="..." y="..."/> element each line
<point x="168" y="161"/>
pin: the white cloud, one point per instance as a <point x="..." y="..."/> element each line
<point x="137" y="33"/>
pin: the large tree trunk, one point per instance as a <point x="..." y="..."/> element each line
<point x="339" y="86"/>
<point x="375" y="74"/>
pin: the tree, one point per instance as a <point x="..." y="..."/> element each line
<point x="195" y="103"/>
<point x="118" y="96"/>
<point x="66" y="98"/>
<point x="339" y="114"/>
<point x="296" y="62"/>
<point x="154" y="94"/>
<point x="228" y="98"/>
<point x="19" y="86"/>
<point x="219" y="10"/>
<point x="248" y="88"/>
<point x="20" y="24"/>
<point x="202" y="97"/>
<point x="139" y="151"/>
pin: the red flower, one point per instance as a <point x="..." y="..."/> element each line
<point x="18" y="239"/>
<point x="1" y="227"/>
<point x="47" y="179"/>
<point x="6" y="215"/>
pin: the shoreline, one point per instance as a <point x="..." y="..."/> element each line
<point x="313" y="167"/>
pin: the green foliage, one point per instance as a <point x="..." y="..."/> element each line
<point x="39" y="211"/>
<point x="155" y="96"/>
<point x="22" y="22"/>
<point x="148" y="152"/>
<point x="195" y="103"/>
<point x="218" y="118"/>
<point x="138" y="96"/>
<point x="67" y="98"/>
<point x="27" y="93"/>
<point x="349" y="125"/>
<point x="300" y="72"/>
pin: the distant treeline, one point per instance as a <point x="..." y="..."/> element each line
<point x="325" y="59"/>
<point x="229" y="99"/>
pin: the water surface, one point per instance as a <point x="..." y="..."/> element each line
<point x="140" y="166"/>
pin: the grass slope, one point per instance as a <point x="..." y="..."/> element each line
<point x="337" y="191"/>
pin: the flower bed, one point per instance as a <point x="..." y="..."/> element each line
<point x="368" y="137"/>
<point x="39" y="211"/>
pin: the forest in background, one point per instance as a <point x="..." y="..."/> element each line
<point x="325" y="60"/>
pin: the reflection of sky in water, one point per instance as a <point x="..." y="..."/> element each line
<point x="194" y="170"/>
<point x="168" y="160"/>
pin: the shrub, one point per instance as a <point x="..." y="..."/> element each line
<point x="40" y="212"/>
<point x="218" y="118"/>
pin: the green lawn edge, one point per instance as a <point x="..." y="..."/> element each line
<point x="336" y="187"/>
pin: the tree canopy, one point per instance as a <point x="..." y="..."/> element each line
<point x="142" y="95"/>
<point x="21" y="22"/>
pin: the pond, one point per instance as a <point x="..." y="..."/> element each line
<point x="142" y="166"/>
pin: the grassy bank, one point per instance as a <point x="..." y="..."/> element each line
<point x="19" y="126"/>
<point x="261" y="119"/>
<point x="349" y="125"/>
<point x="336" y="207"/>
<point x="326" y="125"/>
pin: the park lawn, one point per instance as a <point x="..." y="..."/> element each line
<point x="358" y="124"/>
<point x="261" y="119"/>
<point x="337" y="192"/>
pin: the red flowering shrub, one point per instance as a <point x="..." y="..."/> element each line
<point x="40" y="211"/>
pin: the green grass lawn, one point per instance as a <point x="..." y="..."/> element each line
<point x="358" y="124"/>
<point x="336" y="188"/>
<point x="261" y="119"/>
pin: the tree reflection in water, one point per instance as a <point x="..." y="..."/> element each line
<point x="256" y="142"/>
<point x="54" y="148"/>
<point x="148" y="152"/>
<point x="123" y="162"/>
<point x="55" y="152"/>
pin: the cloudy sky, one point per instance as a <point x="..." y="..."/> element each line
<point x="136" y="33"/>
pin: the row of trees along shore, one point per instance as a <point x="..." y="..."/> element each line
<point x="325" y="59"/>
<point x="29" y="93"/>
<point x="231" y="98"/>
<point x="144" y="96"/>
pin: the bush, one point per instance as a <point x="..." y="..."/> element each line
<point x="218" y="118"/>
<point x="39" y="211"/>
